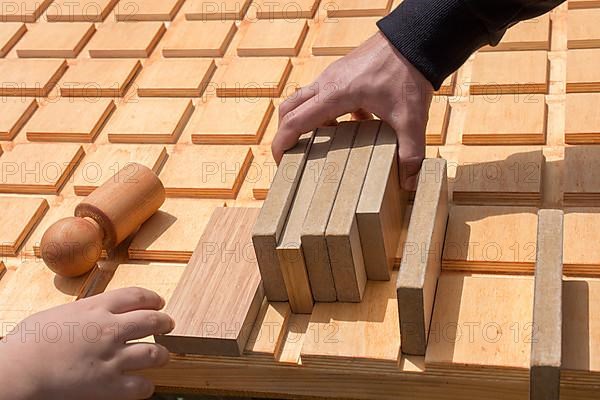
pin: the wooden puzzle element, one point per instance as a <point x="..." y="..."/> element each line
<point x="198" y="39"/>
<point x="268" y="334"/>
<point x="23" y="11"/>
<point x="14" y="113"/>
<point x="581" y="257"/>
<point x="271" y="220"/>
<point x="69" y="120"/>
<point x="61" y="207"/>
<point x="505" y="119"/>
<point x="421" y="260"/>
<point x="103" y="161"/>
<point x="437" y="125"/>
<point x="531" y="34"/>
<point x="581" y="74"/>
<point x="262" y="172"/>
<point x="36" y="168"/>
<point x="253" y="77"/>
<point x="546" y="343"/>
<point x="583" y="32"/>
<point x="175" y="78"/>
<point x="342" y="234"/>
<point x="123" y="40"/>
<point x="149" y="120"/>
<point x="582" y="188"/>
<point x="231" y="121"/>
<point x="358" y="8"/>
<point x="99" y="78"/>
<point x="290" y="9"/>
<point x="206" y="171"/>
<point x="579" y="4"/>
<point x="224" y="264"/>
<point x="510" y="72"/>
<point x="208" y="10"/>
<point x="306" y="70"/>
<point x="281" y="37"/>
<point x="10" y="33"/>
<point x="492" y="239"/>
<point x="338" y="37"/>
<point x="33" y="78"/>
<point x="55" y="40"/>
<point x="20" y="216"/>
<point x="148" y="10"/>
<point x="80" y="11"/>
<point x="582" y="123"/>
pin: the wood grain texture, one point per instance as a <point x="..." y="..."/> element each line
<point x="281" y="37"/>
<point x="175" y="78"/>
<point x="110" y="42"/>
<point x="226" y="308"/>
<point x="55" y="40"/>
<point x="10" y="33"/>
<point x="531" y="34"/>
<point x="80" y="11"/>
<point x="263" y="172"/>
<point x="198" y="39"/>
<point x="99" y="78"/>
<point x="148" y="10"/>
<point x="581" y="257"/>
<point x="23" y="11"/>
<point x="583" y="32"/>
<point x="288" y="9"/>
<point x="267" y="336"/>
<point x="359" y="8"/>
<point x="339" y="37"/>
<point x="33" y="78"/>
<point x="21" y="215"/>
<point x="253" y="77"/>
<point x="14" y="113"/>
<point x="225" y="10"/>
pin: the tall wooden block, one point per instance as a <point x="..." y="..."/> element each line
<point x="422" y="257"/>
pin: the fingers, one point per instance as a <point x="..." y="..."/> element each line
<point x="142" y="323"/>
<point x="299" y="97"/>
<point x="137" y="356"/>
<point x="134" y="387"/>
<point x="361" y="115"/>
<point x="411" y="152"/>
<point x="129" y="299"/>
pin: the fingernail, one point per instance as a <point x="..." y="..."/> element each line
<point x="162" y="302"/>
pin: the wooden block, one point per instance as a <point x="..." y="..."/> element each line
<point x="581" y="74"/>
<point x="148" y="10"/>
<point x="224" y="264"/>
<point x="482" y="308"/>
<point x="289" y="10"/>
<point x="149" y="120"/>
<point x="253" y="77"/>
<point x="69" y="120"/>
<point x="80" y="11"/>
<point x="230" y="121"/>
<point x="33" y="78"/>
<point x="505" y="119"/>
<point x="175" y="78"/>
<point x="289" y="249"/>
<point x="280" y="37"/>
<point x="262" y="173"/>
<point x="271" y="220"/>
<point x="99" y="78"/>
<point x="292" y="346"/>
<point x="546" y="343"/>
<point x="358" y="8"/>
<point x="491" y="239"/>
<point x="20" y="215"/>
<point x="496" y="175"/>
<point x="55" y="40"/>
<point x="14" y="113"/>
<point x="531" y="34"/>
<point x="583" y="31"/>
<point x="218" y="173"/>
<point x="104" y="161"/>
<point x="579" y="4"/>
<point x="142" y="38"/>
<point x="267" y="336"/>
<point x="23" y="11"/>
<point x="35" y="168"/>
<point x="422" y="257"/>
<point x="581" y="256"/>
<point x="582" y="124"/>
<point x="510" y="72"/>
<point x="343" y="240"/>
<point x="314" y="244"/>
<point x="582" y="188"/>
<point x="437" y="125"/>
<point x="381" y="207"/>
<point x="199" y="39"/>
<point x="172" y="233"/>
<point x="209" y="10"/>
<point x="340" y="37"/>
<point x="10" y="33"/>
<point x="346" y="331"/>
<point x="306" y="71"/>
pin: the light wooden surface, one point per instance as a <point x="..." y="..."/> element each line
<point x="198" y="39"/>
<point x="175" y="78"/>
<point x="280" y="37"/>
<point x="437" y="124"/>
<point x="142" y="38"/>
<point x="99" y="78"/>
<point x="225" y="10"/>
<point x="30" y="77"/>
<point x="583" y="32"/>
<point x="41" y="40"/>
<point x="253" y="77"/>
<point x="531" y="34"/>
<point x="149" y="10"/>
<point x="25" y="11"/>
<point x="81" y="11"/>
<point x="338" y="37"/>
<point x="580" y="256"/>
<point x="359" y="8"/>
<point x="10" y="33"/>
<point x="22" y="215"/>
<point x="15" y="113"/>
<point x="581" y="75"/>
<point x="288" y="9"/>
<point x="582" y="125"/>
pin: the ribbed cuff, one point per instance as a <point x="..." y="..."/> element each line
<point x="436" y="36"/>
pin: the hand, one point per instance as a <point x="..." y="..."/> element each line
<point x="374" y="78"/>
<point x="79" y="351"/>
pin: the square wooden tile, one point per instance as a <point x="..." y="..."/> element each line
<point x="206" y="171"/>
<point x="19" y="217"/>
<point x="230" y="121"/>
<point x="148" y="10"/>
<point x="209" y="10"/>
<point x="60" y="207"/>
<point x="38" y="168"/>
<point x="581" y="166"/>
<point x="580" y="250"/>
<point x="582" y="121"/>
<point x="175" y="78"/>
<point x="103" y="161"/>
<point x="531" y="34"/>
<point x="338" y="37"/>
<point x="280" y="37"/>
<point x="358" y="8"/>
<point x="437" y="125"/>
<point x="69" y="120"/>
<point x="582" y="72"/>
<point x="34" y="78"/>
<point x="10" y="33"/>
<point x="122" y="40"/>
<point x="55" y="40"/>
<point x="307" y="70"/>
<point x="288" y="9"/>
<point x="584" y="30"/>
<point x="253" y="77"/>
<point x="14" y="113"/>
<point x="198" y="39"/>
<point x="149" y="120"/>
<point x="99" y="78"/>
<point x="23" y="10"/>
<point x="79" y="11"/>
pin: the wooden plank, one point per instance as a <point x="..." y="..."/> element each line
<point x="230" y="121"/>
<point x="69" y="120"/>
<point x="198" y="39"/>
<point x="342" y="235"/>
<point x="582" y="188"/>
<point x="290" y="9"/>
<point x="220" y="173"/>
<point x="422" y="257"/>
<point x="225" y="10"/>
<point x="531" y="34"/>
<point x="269" y="225"/>
<point x="358" y="8"/>
<point x="280" y="37"/>
<point x="175" y="78"/>
<point x="14" y="113"/>
<point x="99" y="78"/>
<point x="20" y="216"/>
<point x="253" y="77"/>
<point x="142" y="39"/>
<point x="225" y="310"/>
<point x="581" y="74"/>
<point x="148" y="10"/>
<point x="10" y="33"/>
<point x="546" y="339"/>
<point x="339" y="37"/>
<point x="381" y="207"/>
<point x="33" y="78"/>
<point x="583" y="32"/>
<point x="289" y="249"/>
<point x="55" y="40"/>
<point x="171" y="234"/>
<point x="80" y="11"/>
<point x="267" y="336"/>
<point x="23" y="11"/>
<point x="581" y="256"/>
<point x="437" y="124"/>
<point x="582" y="124"/>
<point x="149" y="120"/>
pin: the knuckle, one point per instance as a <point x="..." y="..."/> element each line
<point x="154" y="354"/>
<point x="140" y="295"/>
